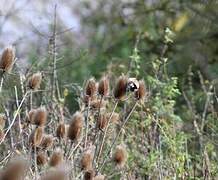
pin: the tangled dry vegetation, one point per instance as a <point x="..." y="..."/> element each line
<point x="41" y="139"/>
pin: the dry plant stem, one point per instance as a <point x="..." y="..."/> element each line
<point x="115" y="139"/>
<point x="2" y="80"/>
<point x="14" y="118"/>
<point x="74" y="149"/>
<point x="105" y="131"/>
<point x="35" y="163"/>
<point x="87" y="125"/>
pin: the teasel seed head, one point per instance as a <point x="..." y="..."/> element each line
<point x="141" y="92"/>
<point x="75" y="126"/>
<point x="56" y="158"/>
<point x="86" y="160"/>
<point x="120" y="156"/>
<point x="120" y="88"/>
<point x="89" y="174"/>
<point x="15" y="170"/>
<point x="2" y="121"/>
<point x="61" y="130"/>
<point x="55" y="174"/>
<point x="91" y="88"/>
<point x="40" y="117"/>
<point x="31" y="116"/>
<point x="115" y="117"/>
<point x="47" y="141"/>
<point x="102" y="121"/>
<point x="41" y="159"/>
<point x="35" y="81"/>
<point x="103" y="87"/>
<point x="99" y="177"/>
<point x="36" y="136"/>
<point x="7" y="59"/>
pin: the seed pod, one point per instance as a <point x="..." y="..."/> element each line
<point x="2" y="121"/>
<point x="7" y="59"/>
<point x="120" y="156"/>
<point x="35" y="81"/>
<point x="102" y="121"/>
<point x="140" y="94"/>
<point x="120" y="88"/>
<point x="15" y="170"/>
<point x="57" y="174"/>
<point x="99" y="177"/>
<point x="47" y="142"/>
<point x="75" y="126"/>
<point x="89" y="175"/>
<point x="41" y="159"/>
<point x="40" y="116"/>
<point x="103" y="87"/>
<point x="86" y="161"/>
<point x="91" y="88"/>
<point x="31" y="116"/>
<point x="35" y="138"/>
<point x="56" y="158"/>
<point x="61" y="130"/>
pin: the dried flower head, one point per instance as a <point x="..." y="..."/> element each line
<point x="56" y="158"/>
<point x="89" y="174"/>
<point x="47" y="141"/>
<point x="115" y="117"/>
<point x="36" y="136"/>
<point x="2" y="121"/>
<point x="120" y="156"/>
<point x="15" y="170"/>
<point x="31" y="115"/>
<point x="91" y="88"/>
<point x="41" y="159"/>
<point x="55" y="174"/>
<point x="35" y="81"/>
<point x="103" y="87"/>
<point x="61" y="130"/>
<point x="120" y="88"/>
<point x="40" y="116"/>
<point x="7" y="59"/>
<point x="86" y="160"/>
<point x="99" y="177"/>
<point x="102" y="121"/>
<point x="141" y="93"/>
<point x="75" y="126"/>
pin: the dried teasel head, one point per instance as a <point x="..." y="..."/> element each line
<point x="103" y="87"/>
<point x="56" y="158"/>
<point x="30" y="116"/>
<point x="40" y="116"/>
<point x="75" y="126"/>
<point x="61" y="130"/>
<point x="15" y="170"/>
<point x="86" y="160"/>
<point x="35" y="81"/>
<point x="36" y="136"/>
<point x="55" y="174"/>
<point x="91" y="88"/>
<point x="99" y="177"/>
<point x="7" y="59"/>
<point x="47" y="141"/>
<point x="114" y="118"/>
<point x="89" y="174"/>
<point x="2" y="121"/>
<point x="120" y="88"/>
<point x="141" y="92"/>
<point x="120" y="156"/>
<point x="41" y="159"/>
<point x="102" y="121"/>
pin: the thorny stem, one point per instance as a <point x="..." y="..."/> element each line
<point x="15" y="116"/>
<point x="105" y="131"/>
<point x="118" y="134"/>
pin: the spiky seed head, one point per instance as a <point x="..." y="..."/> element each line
<point x="36" y="136"/>
<point x="99" y="177"/>
<point x="7" y="59"/>
<point x="141" y="93"/>
<point x="47" y="141"/>
<point x="89" y="174"/>
<point x="120" y="156"/>
<point x="41" y="159"/>
<point x="91" y="88"/>
<point x="15" y="170"/>
<point x="86" y="160"/>
<point x="102" y="121"/>
<point x="103" y="87"/>
<point x="2" y="121"/>
<point x="75" y="126"/>
<point x="35" y="81"/>
<point x="55" y="174"/>
<point x="120" y="88"/>
<point x="40" y="117"/>
<point x="61" y="130"/>
<point x="115" y="117"/>
<point x="31" y="116"/>
<point x="56" y="158"/>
